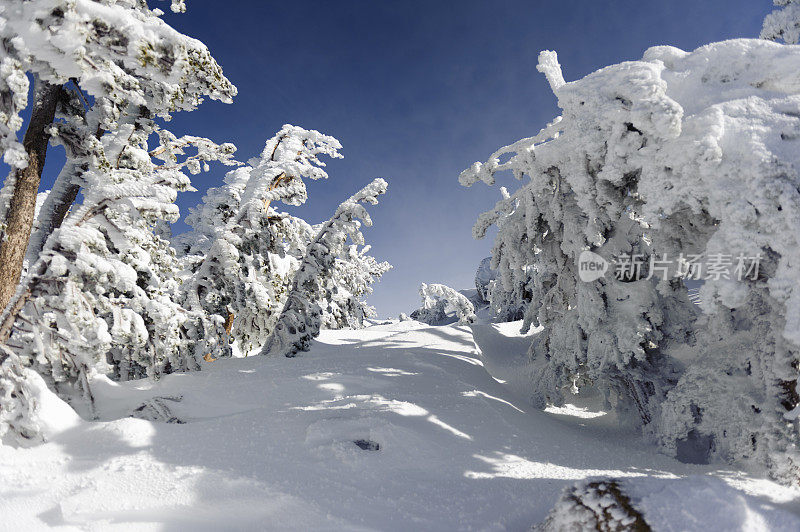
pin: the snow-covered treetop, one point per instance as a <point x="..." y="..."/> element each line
<point x="784" y="23"/>
<point x="276" y="175"/>
<point x="288" y="157"/>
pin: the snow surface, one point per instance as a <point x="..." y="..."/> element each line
<point x="268" y="443"/>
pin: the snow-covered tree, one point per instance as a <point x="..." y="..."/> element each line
<point x="99" y="291"/>
<point x="354" y="273"/>
<point x="243" y="252"/>
<point x="120" y="53"/>
<point x="579" y="198"/>
<point x="439" y="301"/>
<point x="667" y="157"/>
<point x="313" y="284"/>
<point x="102" y="295"/>
<point x="783" y="23"/>
<point x="508" y="292"/>
<point x="484" y="276"/>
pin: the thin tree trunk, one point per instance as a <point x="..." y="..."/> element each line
<point x="19" y="218"/>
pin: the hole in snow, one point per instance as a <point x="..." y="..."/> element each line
<point x="695" y="448"/>
<point x="368" y="445"/>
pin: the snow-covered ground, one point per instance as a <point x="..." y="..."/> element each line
<point x="450" y="444"/>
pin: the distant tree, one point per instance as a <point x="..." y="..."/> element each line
<point x="438" y="301"/>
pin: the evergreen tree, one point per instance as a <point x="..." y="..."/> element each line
<point x="674" y="156"/>
<point x="99" y="291"/>
<point x="302" y="316"/>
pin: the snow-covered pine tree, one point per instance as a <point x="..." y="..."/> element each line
<point x="354" y="273"/>
<point x="243" y="252"/>
<point x="439" y="301"/>
<point x="313" y="284"/>
<point x="102" y="289"/>
<point x="673" y="155"/>
<point x="579" y="197"/>
<point x="508" y="293"/>
<point x="484" y="276"/>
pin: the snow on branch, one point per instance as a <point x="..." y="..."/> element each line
<point x="549" y="66"/>
<point x="18" y="408"/>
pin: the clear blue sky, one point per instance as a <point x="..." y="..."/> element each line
<point x="416" y="91"/>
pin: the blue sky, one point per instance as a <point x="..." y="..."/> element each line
<point x="416" y="91"/>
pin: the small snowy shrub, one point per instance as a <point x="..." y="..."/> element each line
<point x="594" y="505"/>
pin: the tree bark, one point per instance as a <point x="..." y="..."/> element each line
<point x="19" y="218"/>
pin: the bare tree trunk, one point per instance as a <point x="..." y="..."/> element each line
<point x="19" y="218"/>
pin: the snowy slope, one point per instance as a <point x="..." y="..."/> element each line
<point x="269" y="444"/>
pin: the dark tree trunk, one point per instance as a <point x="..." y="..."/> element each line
<point x="19" y="218"/>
